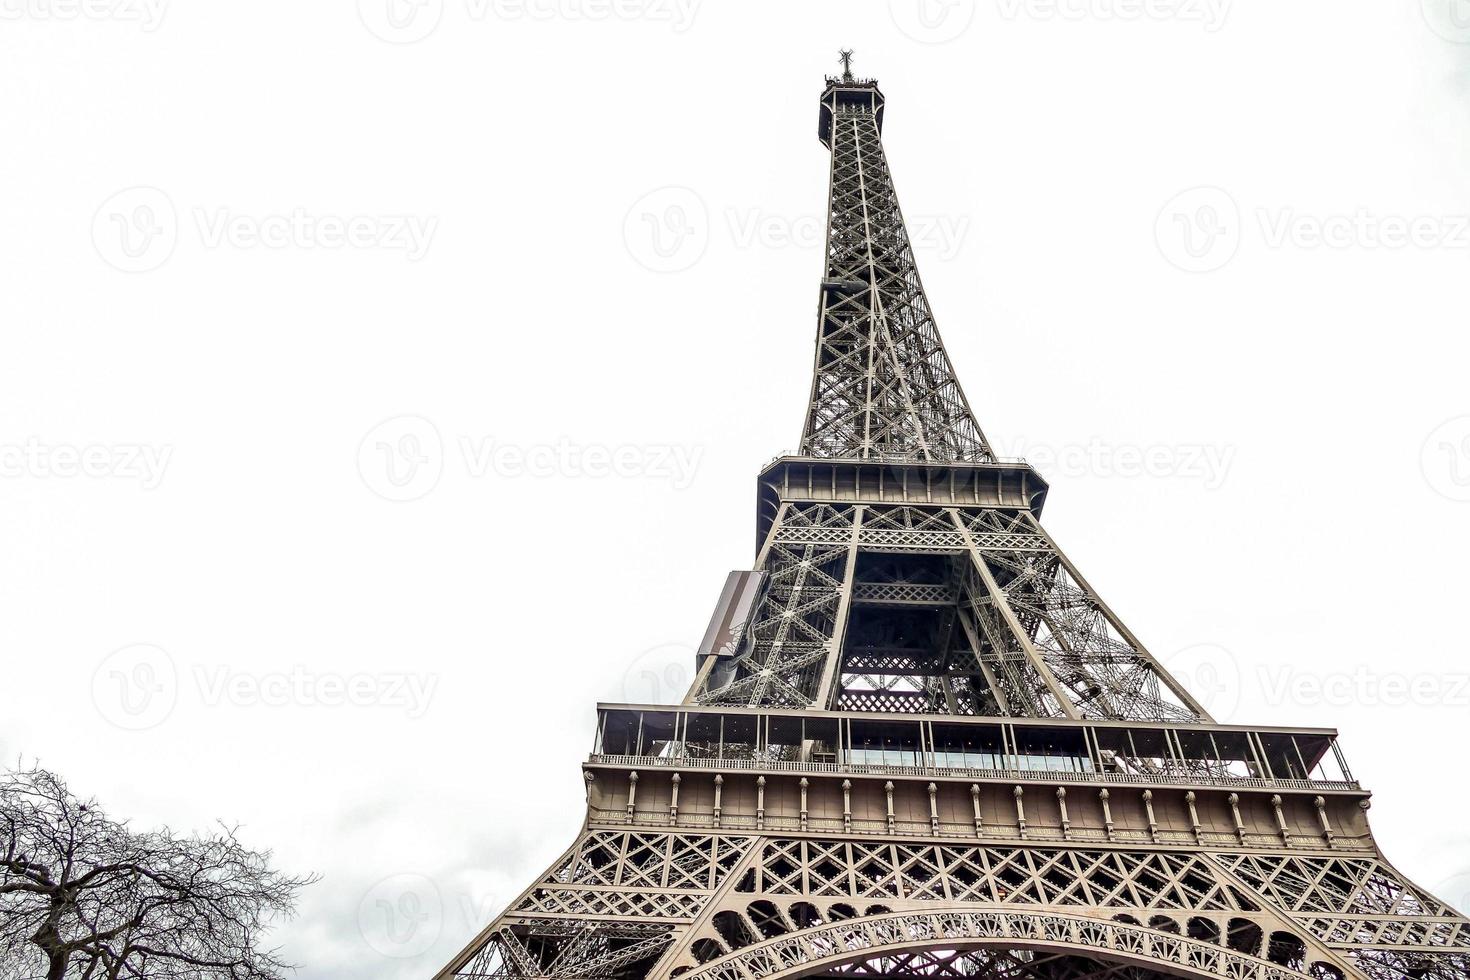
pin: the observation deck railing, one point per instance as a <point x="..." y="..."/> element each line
<point x="1005" y="775"/>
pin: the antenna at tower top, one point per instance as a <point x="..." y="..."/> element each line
<point x="846" y="56"/>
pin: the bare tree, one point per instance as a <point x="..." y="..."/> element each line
<point x="84" y="896"/>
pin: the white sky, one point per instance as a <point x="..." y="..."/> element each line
<point x="1303" y="521"/>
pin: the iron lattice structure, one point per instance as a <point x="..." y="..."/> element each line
<point x="920" y="745"/>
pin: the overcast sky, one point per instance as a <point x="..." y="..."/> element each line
<point x="382" y="386"/>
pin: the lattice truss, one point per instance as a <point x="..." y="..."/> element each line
<point x="999" y="964"/>
<point x="1010" y="944"/>
<point x="568" y="950"/>
<point x="1283" y="908"/>
<point x="608" y="908"/>
<point x="936" y="610"/>
<point x="780" y="662"/>
<point x="1000" y="875"/>
<point x="1104" y="672"/>
<point x="1390" y="926"/>
<point x="883" y="386"/>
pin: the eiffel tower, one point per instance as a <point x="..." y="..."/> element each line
<point x="919" y="744"/>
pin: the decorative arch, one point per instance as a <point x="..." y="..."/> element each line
<point x="847" y="941"/>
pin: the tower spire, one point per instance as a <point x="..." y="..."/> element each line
<point x="882" y="385"/>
